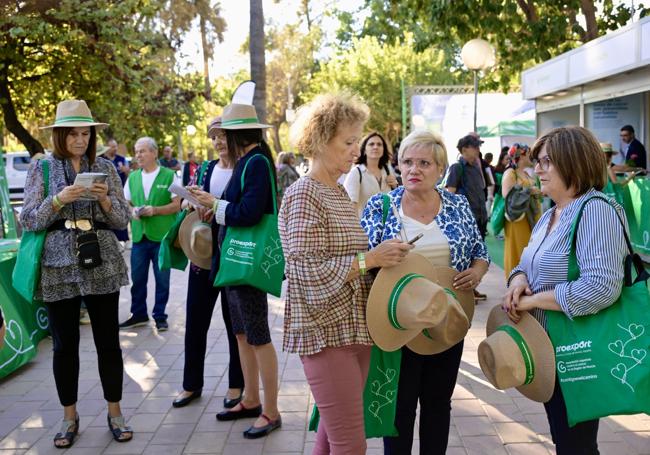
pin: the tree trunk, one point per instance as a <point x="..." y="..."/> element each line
<point x="277" y="144"/>
<point x="258" y="63"/>
<point x="11" y="119"/>
<point x="206" y="60"/>
<point x="589" y="11"/>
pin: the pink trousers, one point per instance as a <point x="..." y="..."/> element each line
<point x="337" y="377"/>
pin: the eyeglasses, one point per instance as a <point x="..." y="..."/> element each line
<point x="544" y="162"/>
<point x="420" y="164"/>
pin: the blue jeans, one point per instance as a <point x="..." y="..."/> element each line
<point x="142" y="253"/>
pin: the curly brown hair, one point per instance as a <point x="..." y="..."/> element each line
<point x="318" y="121"/>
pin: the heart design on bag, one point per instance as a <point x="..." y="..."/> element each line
<point x="638" y="354"/>
<point x="616" y="347"/>
<point x="374" y="408"/>
<point x="620" y="373"/>
<point x="636" y="330"/>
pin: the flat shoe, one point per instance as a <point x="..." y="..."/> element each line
<point x="67" y="433"/>
<point x="227" y="415"/>
<point x="259" y="432"/>
<point x="229" y="403"/>
<point x="118" y="427"/>
<point x="180" y="402"/>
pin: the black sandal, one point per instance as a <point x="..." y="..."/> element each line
<point x="119" y="428"/>
<point x="67" y="433"/>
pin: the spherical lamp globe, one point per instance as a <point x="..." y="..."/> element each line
<point x="478" y="54"/>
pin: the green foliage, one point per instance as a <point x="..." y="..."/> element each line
<point x="523" y="32"/>
<point x="110" y="53"/>
<point x="375" y="71"/>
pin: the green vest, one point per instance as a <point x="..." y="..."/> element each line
<point x="154" y="227"/>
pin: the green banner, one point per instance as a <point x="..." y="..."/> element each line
<point x="636" y="200"/>
<point x="26" y="322"/>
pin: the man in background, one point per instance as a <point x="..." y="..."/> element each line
<point x="168" y="160"/>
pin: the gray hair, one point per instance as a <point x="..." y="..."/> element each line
<point x="149" y="141"/>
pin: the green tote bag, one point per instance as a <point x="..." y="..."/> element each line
<point x="252" y="255"/>
<point x="603" y="360"/>
<point x="27" y="271"/>
<point x="171" y="256"/>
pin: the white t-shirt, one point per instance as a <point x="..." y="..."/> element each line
<point x="218" y="180"/>
<point x="362" y="187"/>
<point x="433" y="245"/>
<point x="147" y="183"/>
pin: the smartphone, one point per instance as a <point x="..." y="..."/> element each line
<point x="415" y="239"/>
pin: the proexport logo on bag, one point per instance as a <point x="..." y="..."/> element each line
<point x="234" y="242"/>
<point x="584" y="344"/>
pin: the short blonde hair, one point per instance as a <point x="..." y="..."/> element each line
<point x="285" y="157"/>
<point x="427" y="140"/>
<point x="318" y="121"/>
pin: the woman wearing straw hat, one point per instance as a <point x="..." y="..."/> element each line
<point x="196" y="239"/>
<point x="244" y="206"/>
<point x="450" y="237"/>
<point x="64" y="282"/>
<point x="571" y="167"/>
<point x="327" y="260"/>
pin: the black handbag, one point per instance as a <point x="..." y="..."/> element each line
<point x="87" y="244"/>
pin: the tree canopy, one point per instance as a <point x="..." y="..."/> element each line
<point x="113" y="54"/>
<point x="523" y="32"/>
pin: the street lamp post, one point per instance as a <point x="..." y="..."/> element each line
<point x="477" y="54"/>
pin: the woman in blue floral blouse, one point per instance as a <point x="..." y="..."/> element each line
<point x="450" y="238"/>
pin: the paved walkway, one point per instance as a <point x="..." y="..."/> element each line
<point x="484" y="420"/>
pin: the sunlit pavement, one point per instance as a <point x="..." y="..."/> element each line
<point x="484" y="420"/>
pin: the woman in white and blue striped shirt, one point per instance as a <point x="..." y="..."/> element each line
<point x="571" y="168"/>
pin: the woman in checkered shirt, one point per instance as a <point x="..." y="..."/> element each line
<point x="327" y="257"/>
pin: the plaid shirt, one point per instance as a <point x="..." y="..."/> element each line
<point x="321" y="236"/>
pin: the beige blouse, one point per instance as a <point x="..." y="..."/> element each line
<point x="321" y="236"/>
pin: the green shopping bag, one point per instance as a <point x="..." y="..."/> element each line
<point x="252" y="256"/>
<point x="498" y="218"/>
<point x="379" y="395"/>
<point x="602" y="360"/>
<point x="170" y="255"/>
<point x="27" y="271"/>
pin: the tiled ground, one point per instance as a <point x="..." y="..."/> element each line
<point x="484" y="420"/>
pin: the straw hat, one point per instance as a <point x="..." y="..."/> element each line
<point x="240" y="117"/>
<point x="405" y="299"/>
<point x="214" y="125"/>
<point x="72" y="113"/>
<point x="518" y="355"/>
<point x="101" y="149"/>
<point x="606" y="147"/>
<point x="440" y="338"/>
<point x="195" y="238"/>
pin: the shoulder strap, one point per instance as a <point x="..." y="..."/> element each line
<point x="631" y="260"/>
<point x="385" y="207"/>
<point x="46" y="178"/>
<point x="273" y="191"/>
<point x="360" y="176"/>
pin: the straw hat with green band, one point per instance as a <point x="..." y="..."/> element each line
<point x="405" y="299"/>
<point x="240" y="117"/>
<point x="518" y="355"/>
<point x="606" y="147"/>
<point x="440" y="338"/>
<point x="74" y="113"/>
<point x="195" y="238"/>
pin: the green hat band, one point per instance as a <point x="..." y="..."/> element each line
<point x="239" y="121"/>
<point x="73" y="119"/>
<point x="525" y="351"/>
<point x="394" y="298"/>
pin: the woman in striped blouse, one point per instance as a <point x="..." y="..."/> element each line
<point x="572" y="169"/>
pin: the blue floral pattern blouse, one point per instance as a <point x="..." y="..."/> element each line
<point x="455" y="220"/>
